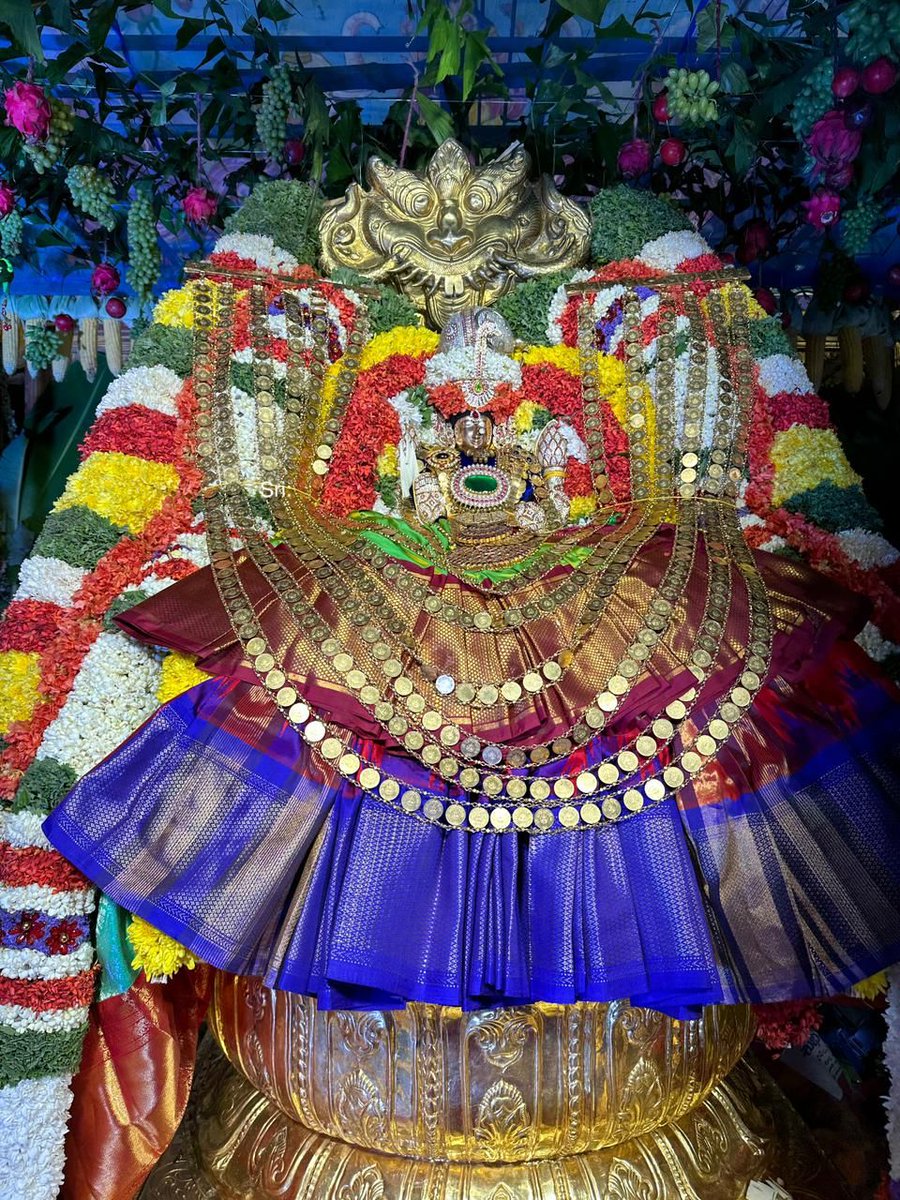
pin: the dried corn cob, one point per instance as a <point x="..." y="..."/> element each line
<point x="815" y="358"/>
<point x="850" y="341"/>
<point x="88" y="328"/>
<point x="112" y="344"/>
<point x="879" y="359"/>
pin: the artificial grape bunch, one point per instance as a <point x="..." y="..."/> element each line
<point x="42" y="345"/>
<point x="272" y="118"/>
<point x="692" y="96"/>
<point x="857" y="226"/>
<point x="814" y="99"/>
<point x="47" y="153"/>
<point x="93" y="193"/>
<point x="144" y="257"/>
<point x="874" y="30"/>
<point x="12" y="227"/>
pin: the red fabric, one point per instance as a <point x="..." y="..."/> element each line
<point x="132" y="1089"/>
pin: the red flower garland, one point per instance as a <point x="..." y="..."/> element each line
<point x="77" y="627"/>
<point x="133" y="429"/>
<point x="29" y="625"/>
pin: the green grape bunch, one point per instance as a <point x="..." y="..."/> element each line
<point x="144" y="256"/>
<point x="874" y="31"/>
<point x="47" y="153"/>
<point x="93" y="192"/>
<point x="42" y="345"/>
<point x="814" y="98"/>
<point x="12" y="228"/>
<point x="692" y="96"/>
<point x="857" y="226"/>
<point x="272" y="117"/>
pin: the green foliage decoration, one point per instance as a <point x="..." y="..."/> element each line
<point x="122" y="604"/>
<point x="526" y="306"/>
<point x="625" y="218"/>
<point x="386" y="309"/>
<point x="834" y="508"/>
<point x="163" y="346"/>
<point x="43" y="785"/>
<point x="286" y="211"/>
<point x="768" y="337"/>
<point x="78" y="536"/>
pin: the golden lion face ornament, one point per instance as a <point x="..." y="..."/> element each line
<point x="456" y="236"/>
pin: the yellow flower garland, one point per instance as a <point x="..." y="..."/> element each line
<point x="21" y="675"/>
<point x="412" y="340"/>
<point x="125" y="489"/>
<point x="387" y="462"/>
<point x="177" y="675"/>
<point x="582" y="506"/>
<point x="805" y="457"/>
<point x="175" y="308"/>
<point x="156" y="954"/>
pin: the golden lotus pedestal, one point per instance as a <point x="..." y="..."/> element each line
<point x="544" y="1102"/>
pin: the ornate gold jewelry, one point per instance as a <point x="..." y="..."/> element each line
<point x="376" y="649"/>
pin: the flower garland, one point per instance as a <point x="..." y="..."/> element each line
<point x="124" y="528"/>
<point x="87" y="688"/>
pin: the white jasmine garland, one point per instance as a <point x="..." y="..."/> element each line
<point x="576" y="447"/>
<point x="73" y="903"/>
<point x="192" y="547"/>
<point x="452" y="366"/>
<point x="256" y="246"/>
<point x="666" y="252"/>
<point x="876" y="646"/>
<point x="51" y="579"/>
<point x="152" y="584"/>
<point x="25" y="963"/>
<point x="776" y="542"/>
<point x="153" y="387"/>
<point x="245" y="356"/>
<point x="31" y="1167"/>
<point x="781" y="373"/>
<point x="558" y="303"/>
<point x="22" y="829"/>
<point x="407" y="412"/>
<point x="114" y="692"/>
<point x="20" y="1019"/>
<point x="750" y="520"/>
<point x="867" y="549"/>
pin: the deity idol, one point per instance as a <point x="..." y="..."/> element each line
<point x="509" y="719"/>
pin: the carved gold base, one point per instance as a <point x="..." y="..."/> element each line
<point x="236" y="1145"/>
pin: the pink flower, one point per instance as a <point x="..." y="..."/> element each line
<point x="834" y="147"/>
<point x="28" y="109"/>
<point x="823" y="208"/>
<point x="7" y="199"/>
<point x="634" y="158"/>
<point x="199" y="205"/>
<point x="105" y="279"/>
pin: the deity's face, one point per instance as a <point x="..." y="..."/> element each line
<point x="457" y="235"/>
<point x="473" y="433"/>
